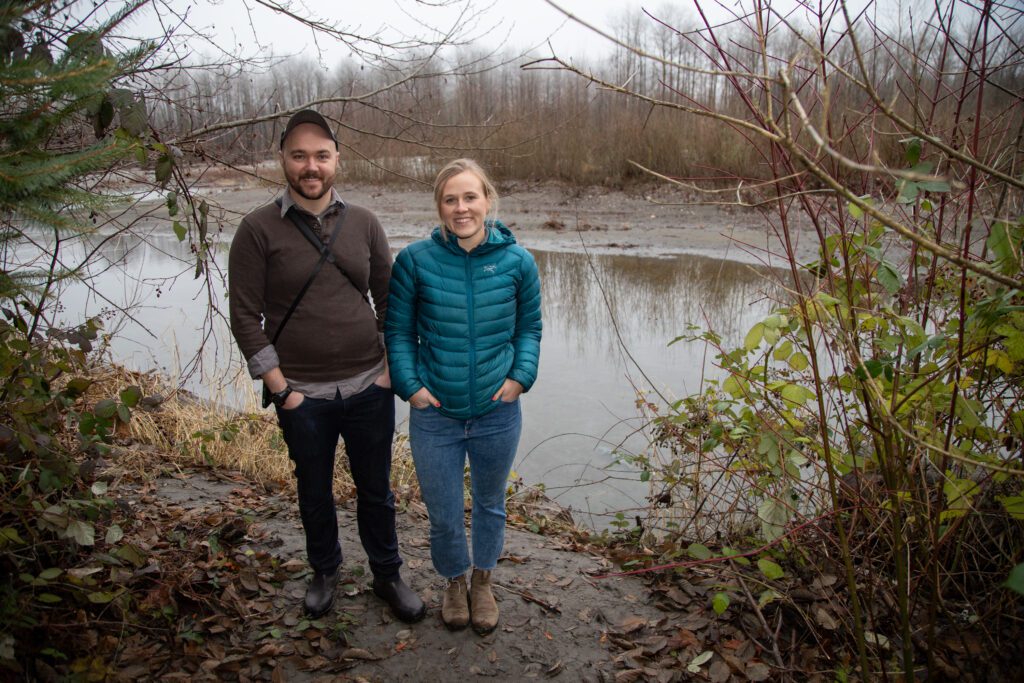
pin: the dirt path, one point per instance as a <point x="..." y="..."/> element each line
<point x="556" y="619"/>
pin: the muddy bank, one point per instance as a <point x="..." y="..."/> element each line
<point x="246" y="575"/>
<point x="650" y="220"/>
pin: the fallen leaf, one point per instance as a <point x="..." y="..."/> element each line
<point x="823" y="581"/>
<point x="359" y="653"/>
<point x="682" y="638"/>
<point x="876" y="639"/>
<point x="702" y="658"/>
<point x="632" y="624"/>
<point x="757" y="671"/>
<point x="824" y="619"/>
<point x="719" y="671"/>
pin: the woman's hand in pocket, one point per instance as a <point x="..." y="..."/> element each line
<point x="509" y="391"/>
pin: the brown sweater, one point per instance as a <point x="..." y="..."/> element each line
<point x="333" y="334"/>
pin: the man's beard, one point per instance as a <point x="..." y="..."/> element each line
<point x="295" y="183"/>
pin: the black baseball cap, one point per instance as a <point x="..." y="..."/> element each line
<point x="308" y="116"/>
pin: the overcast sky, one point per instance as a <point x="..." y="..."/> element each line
<point x="248" y="27"/>
<point x="518" y="23"/>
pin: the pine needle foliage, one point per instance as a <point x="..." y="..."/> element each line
<point x="59" y="98"/>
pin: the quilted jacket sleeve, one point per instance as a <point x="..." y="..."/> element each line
<point x="400" y="328"/>
<point x="526" y="339"/>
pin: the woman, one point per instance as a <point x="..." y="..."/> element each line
<point x="463" y="336"/>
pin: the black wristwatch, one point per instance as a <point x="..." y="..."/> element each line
<point x="279" y="397"/>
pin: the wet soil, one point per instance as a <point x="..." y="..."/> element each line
<point x="646" y="219"/>
<point x="557" y="614"/>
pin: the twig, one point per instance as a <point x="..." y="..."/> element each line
<point x="760" y="616"/>
<point x="530" y="597"/>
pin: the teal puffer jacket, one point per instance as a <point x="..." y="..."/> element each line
<point x="460" y="323"/>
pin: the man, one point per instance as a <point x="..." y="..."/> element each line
<point x="326" y="372"/>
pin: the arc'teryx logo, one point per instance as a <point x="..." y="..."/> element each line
<point x="491" y="268"/>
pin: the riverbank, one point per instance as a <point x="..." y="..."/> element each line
<point x="647" y="219"/>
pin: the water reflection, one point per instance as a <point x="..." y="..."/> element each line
<point x="608" y="321"/>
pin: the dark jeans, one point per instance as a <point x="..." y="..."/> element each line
<point x="366" y="423"/>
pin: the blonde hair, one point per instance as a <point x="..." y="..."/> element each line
<point x="454" y="168"/>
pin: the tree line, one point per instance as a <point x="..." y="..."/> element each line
<point x="526" y="117"/>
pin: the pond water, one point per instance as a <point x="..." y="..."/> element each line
<point x="608" y="322"/>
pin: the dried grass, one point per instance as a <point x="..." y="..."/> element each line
<point x="189" y="431"/>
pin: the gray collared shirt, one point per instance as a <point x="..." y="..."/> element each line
<point x="266" y="359"/>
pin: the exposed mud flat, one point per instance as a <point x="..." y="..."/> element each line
<point x="649" y="220"/>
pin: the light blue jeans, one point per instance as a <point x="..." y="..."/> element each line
<point x="440" y="445"/>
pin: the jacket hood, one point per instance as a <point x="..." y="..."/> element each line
<point x="498" y="237"/>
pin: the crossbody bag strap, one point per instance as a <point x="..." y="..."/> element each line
<point x="324" y="252"/>
<point x="307" y="232"/>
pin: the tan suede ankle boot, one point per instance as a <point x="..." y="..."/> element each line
<point x="483" y="607"/>
<point x="455" y="608"/>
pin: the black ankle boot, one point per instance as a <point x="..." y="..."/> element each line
<point x="320" y="592"/>
<point x="404" y="603"/>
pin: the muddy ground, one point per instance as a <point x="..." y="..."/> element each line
<point x="237" y="562"/>
<point x="647" y="219"/>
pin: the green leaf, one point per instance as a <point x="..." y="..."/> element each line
<point x="913" y="152"/>
<point x="130" y="396"/>
<point x="106" y="409"/>
<point x="699" y="552"/>
<point x="773" y="516"/>
<point x="101" y="597"/>
<point x="770" y="569"/>
<point x="935" y="185"/>
<point x="768" y="446"/>
<point x="77" y="386"/>
<point x="9" y="534"/>
<point x="1014" y="505"/>
<point x="965" y="411"/>
<point x="180" y="231"/>
<point x="1005" y="245"/>
<point x="889" y="277"/>
<point x="720" y="603"/>
<point x="754" y="337"/>
<point x="123" y="414"/>
<point x="873" y="368"/>
<point x="51" y="573"/>
<point x="131" y="554"/>
<point x="83" y="532"/>
<point x="134" y="117"/>
<point x="798" y="361"/>
<point x="908" y="192"/>
<point x="48" y="598"/>
<point x="783" y="350"/>
<point x="796" y="395"/>
<point x="104" y="117"/>
<point x="114" y="534"/>
<point x="733" y="386"/>
<point x="1015" y="581"/>
<point x="766" y="597"/>
<point x="164" y="167"/>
